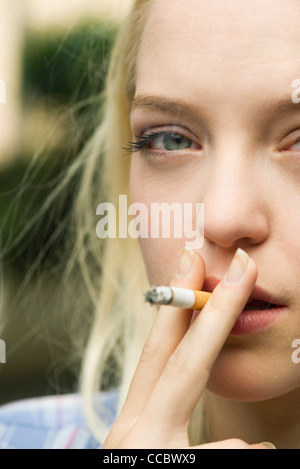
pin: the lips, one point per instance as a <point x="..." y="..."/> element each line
<point x="261" y="311"/>
<point x="259" y="298"/>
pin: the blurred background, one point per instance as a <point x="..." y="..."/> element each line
<point x="53" y="63"/>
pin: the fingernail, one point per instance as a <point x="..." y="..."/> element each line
<point x="268" y="445"/>
<point x="237" y="267"/>
<point x="186" y="263"/>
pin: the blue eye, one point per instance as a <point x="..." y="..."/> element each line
<point x="163" y="141"/>
<point x="295" y="146"/>
<point x="170" y="141"/>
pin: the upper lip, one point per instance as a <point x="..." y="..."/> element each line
<point x="258" y="292"/>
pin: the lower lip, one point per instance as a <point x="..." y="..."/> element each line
<point x="253" y="321"/>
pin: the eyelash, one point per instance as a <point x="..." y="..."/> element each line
<point x="142" y="142"/>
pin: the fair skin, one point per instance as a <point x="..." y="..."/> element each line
<point x="225" y="67"/>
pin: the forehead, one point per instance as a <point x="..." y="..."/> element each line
<point x="228" y="44"/>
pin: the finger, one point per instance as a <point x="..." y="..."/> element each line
<point x="168" y="330"/>
<point x="233" y="443"/>
<point x="187" y="371"/>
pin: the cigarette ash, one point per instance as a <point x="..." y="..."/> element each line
<point x="157" y="295"/>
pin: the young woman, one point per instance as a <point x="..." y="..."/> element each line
<point x="204" y="92"/>
<point x="213" y="120"/>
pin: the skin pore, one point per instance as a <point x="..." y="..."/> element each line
<point x="220" y="74"/>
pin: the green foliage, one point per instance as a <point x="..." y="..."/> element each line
<point x="65" y="73"/>
<point x="61" y="71"/>
<point x="26" y="237"/>
<point x="67" y="66"/>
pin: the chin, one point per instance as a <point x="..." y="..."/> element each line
<point x="245" y="376"/>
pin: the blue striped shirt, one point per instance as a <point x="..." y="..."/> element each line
<point x="52" y="422"/>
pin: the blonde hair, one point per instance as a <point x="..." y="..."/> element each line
<point x="121" y="320"/>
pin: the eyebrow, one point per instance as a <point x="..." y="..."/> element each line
<point x="160" y="103"/>
<point x="175" y="106"/>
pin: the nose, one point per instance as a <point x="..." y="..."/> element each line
<point x="235" y="211"/>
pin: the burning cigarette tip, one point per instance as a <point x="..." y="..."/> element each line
<point x="159" y="295"/>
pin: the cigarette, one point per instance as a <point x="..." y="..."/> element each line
<point x="179" y="297"/>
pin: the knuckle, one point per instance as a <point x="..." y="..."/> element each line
<point x="214" y="306"/>
<point x="205" y="373"/>
<point x="179" y="364"/>
<point x="236" y="443"/>
<point x="176" y="364"/>
<point x="150" y="350"/>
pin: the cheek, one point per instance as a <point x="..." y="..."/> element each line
<point x="161" y="257"/>
<point x="170" y="180"/>
<point x="147" y="186"/>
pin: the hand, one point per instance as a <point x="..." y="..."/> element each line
<point x="176" y="361"/>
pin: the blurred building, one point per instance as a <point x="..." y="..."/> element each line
<point x="11" y="30"/>
<point x="44" y="13"/>
<point x="26" y="116"/>
<point x="16" y="16"/>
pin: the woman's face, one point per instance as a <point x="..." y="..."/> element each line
<point x="220" y="76"/>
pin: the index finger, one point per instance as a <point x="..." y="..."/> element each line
<point x="187" y="372"/>
<point x="168" y="330"/>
